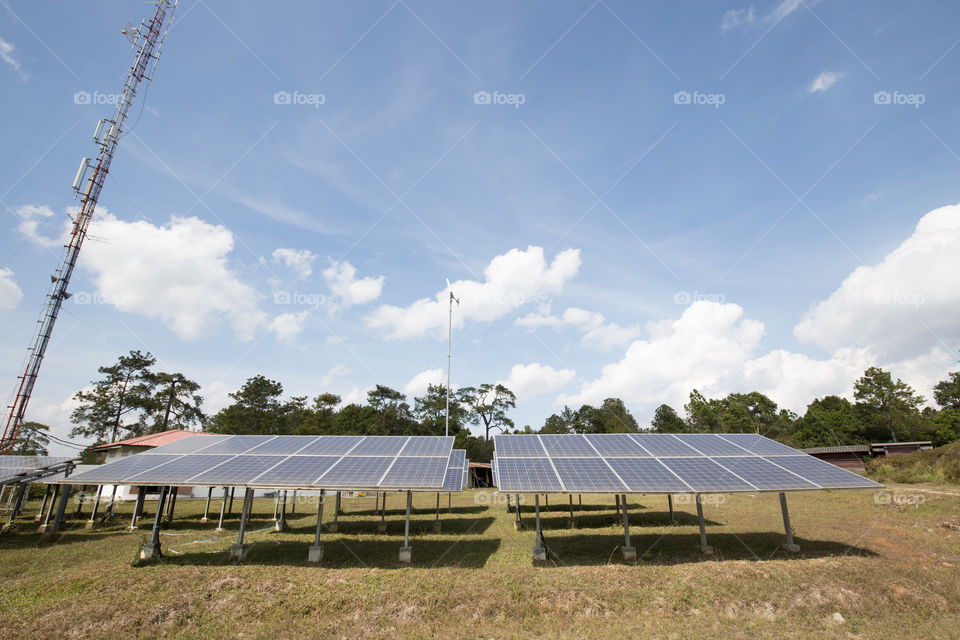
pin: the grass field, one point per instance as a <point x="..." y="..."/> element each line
<point x="884" y="565"/>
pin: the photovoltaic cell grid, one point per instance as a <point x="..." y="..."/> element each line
<point x="661" y="463"/>
<point x="329" y="462"/>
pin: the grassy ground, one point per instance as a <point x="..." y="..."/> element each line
<point x="884" y="565"/>
<point x="940" y="465"/>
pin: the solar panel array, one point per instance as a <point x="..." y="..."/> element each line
<point x="20" y="468"/>
<point x="286" y="462"/>
<point x="454" y="480"/>
<point x="661" y="463"/>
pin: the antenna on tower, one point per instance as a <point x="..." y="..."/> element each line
<point x="147" y="42"/>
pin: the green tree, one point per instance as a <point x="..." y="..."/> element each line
<point x="395" y="415"/>
<point x="488" y="405"/>
<point x="666" y="420"/>
<point x="32" y="440"/>
<point x="355" y="419"/>
<point x="118" y="403"/>
<point x="430" y="410"/>
<point x="703" y="416"/>
<point x="829" y="421"/>
<point x="176" y="402"/>
<point x="317" y="419"/>
<point x="947" y="392"/>
<point x="887" y="404"/>
<point x="256" y="409"/>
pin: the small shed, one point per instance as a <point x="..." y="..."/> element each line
<point x="888" y="448"/>
<point x="481" y="475"/>
<point x="847" y="456"/>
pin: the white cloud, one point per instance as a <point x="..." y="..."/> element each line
<point x="597" y="332"/>
<point x="31" y="218"/>
<point x="511" y="280"/>
<point x="342" y="279"/>
<point x="299" y="260"/>
<point x="418" y="384"/>
<point x="354" y="396"/>
<point x="288" y="326"/>
<point x="824" y="81"/>
<point x="336" y="371"/>
<point x="747" y="18"/>
<point x="176" y="272"/>
<point x="529" y="380"/>
<point x="6" y="54"/>
<point x="902" y="307"/>
<point x="10" y="293"/>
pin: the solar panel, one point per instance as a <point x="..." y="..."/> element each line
<point x="648" y="475"/>
<point x="296" y="471"/>
<point x="466" y="474"/>
<point x="527" y="474"/>
<point x="755" y="443"/>
<point x="331" y="445"/>
<point x="587" y="475"/>
<point x="457" y="458"/>
<point x="286" y="445"/>
<point x="31" y="462"/>
<point x="761" y="473"/>
<point x="177" y="469"/>
<point x="453" y="481"/>
<point x="238" y="470"/>
<point x="191" y="444"/>
<point x="617" y="445"/>
<point x="356" y="472"/>
<point x="118" y="470"/>
<point x="569" y="446"/>
<point x="664" y="444"/>
<point x="422" y="471"/>
<point x="518" y="447"/>
<point x="425" y="446"/>
<point x="379" y="446"/>
<point x="706" y="476"/>
<point x="823" y="473"/>
<point x="710" y="444"/>
<point x="234" y="444"/>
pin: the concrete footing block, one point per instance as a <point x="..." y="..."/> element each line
<point x="539" y="554"/>
<point x="571" y="524"/>
<point x="333" y="527"/>
<point x="315" y="553"/>
<point x="382" y="527"/>
<point x="238" y="552"/>
<point x="150" y="551"/>
<point x="406" y="555"/>
<point x="706" y="550"/>
<point x="219" y="530"/>
<point x="629" y="553"/>
<point x="792" y="548"/>
<point x="42" y="529"/>
<point x="89" y="524"/>
<point x="280" y="525"/>
<point x="37" y="518"/>
<point x="518" y="525"/>
<point x="436" y="526"/>
<point x="204" y="519"/>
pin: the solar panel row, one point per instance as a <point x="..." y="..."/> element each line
<point x="660" y="463"/>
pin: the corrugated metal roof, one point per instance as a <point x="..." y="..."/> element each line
<point x="153" y="439"/>
<point x="850" y="448"/>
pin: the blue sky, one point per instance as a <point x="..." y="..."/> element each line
<point x="781" y="230"/>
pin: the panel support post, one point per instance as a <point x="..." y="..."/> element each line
<point x="151" y="550"/>
<point x="382" y="527"/>
<point x="233" y="490"/>
<point x="206" y="508"/>
<point x="61" y="510"/>
<point x="518" y="523"/>
<point x="334" y="526"/>
<point x="16" y="505"/>
<point x="406" y="553"/>
<point x="223" y="508"/>
<point x="80" y="500"/>
<point x="96" y="507"/>
<point x="539" y="551"/>
<point x="46" y="518"/>
<point x="281" y="524"/>
<point x="138" y="507"/>
<point x="113" y="499"/>
<point x="570" y="524"/>
<point x="706" y="549"/>
<point x="629" y="553"/>
<point x="315" y="553"/>
<point x="789" y="545"/>
<point x="546" y="502"/>
<point x="238" y="552"/>
<point x="436" y="523"/>
<point x="172" y="504"/>
<point x="43" y="505"/>
<point x="276" y="505"/>
<point x="293" y="505"/>
<point x="670" y="506"/>
<point x="617" y="510"/>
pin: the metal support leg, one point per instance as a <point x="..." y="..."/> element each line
<point x="96" y="507"/>
<point x="406" y="554"/>
<point x="138" y="507"/>
<point x="617" y="500"/>
<point x="151" y="550"/>
<point x="293" y="505"/>
<point x="281" y="524"/>
<point x="539" y="551"/>
<point x="382" y="527"/>
<point x="16" y="504"/>
<point x="81" y="498"/>
<point x="546" y="502"/>
<point x="223" y="508"/>
<point x="508" y="503"/>
<point x="233" y="490"/>
<point x="46" y="519"/>
<point x="436" y="523"/>
<point x="335" y="526"/>
<point x="173" y="504"/>
<point x="238" y="551"/>
<point x="43" y="505"/>
<point x="113" y="499"/>
<point x="706" y="549"/>
<point x="518" y="523"/>
<point x="276" y="505"/>
<point x="629" y="553"/>
<point x="570" y="524"/>
<point x="315" y="553"/>
<point x="206" y="508"/>
<point x="449" y="503"/>
<point x="670" y="505"/>
<point x="789" y="545"/>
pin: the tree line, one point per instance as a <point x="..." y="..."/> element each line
<point x="131" y="398"/>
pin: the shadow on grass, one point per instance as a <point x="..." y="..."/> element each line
<point x="674" y="548"/>
<point x="345" y="552"/>
<point x="653" y="518"/>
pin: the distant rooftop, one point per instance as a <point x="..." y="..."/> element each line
<point x="152" y="439"/>
<point x="850" y="448"/>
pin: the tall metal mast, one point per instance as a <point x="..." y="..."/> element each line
<point x="147" y="42"/>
